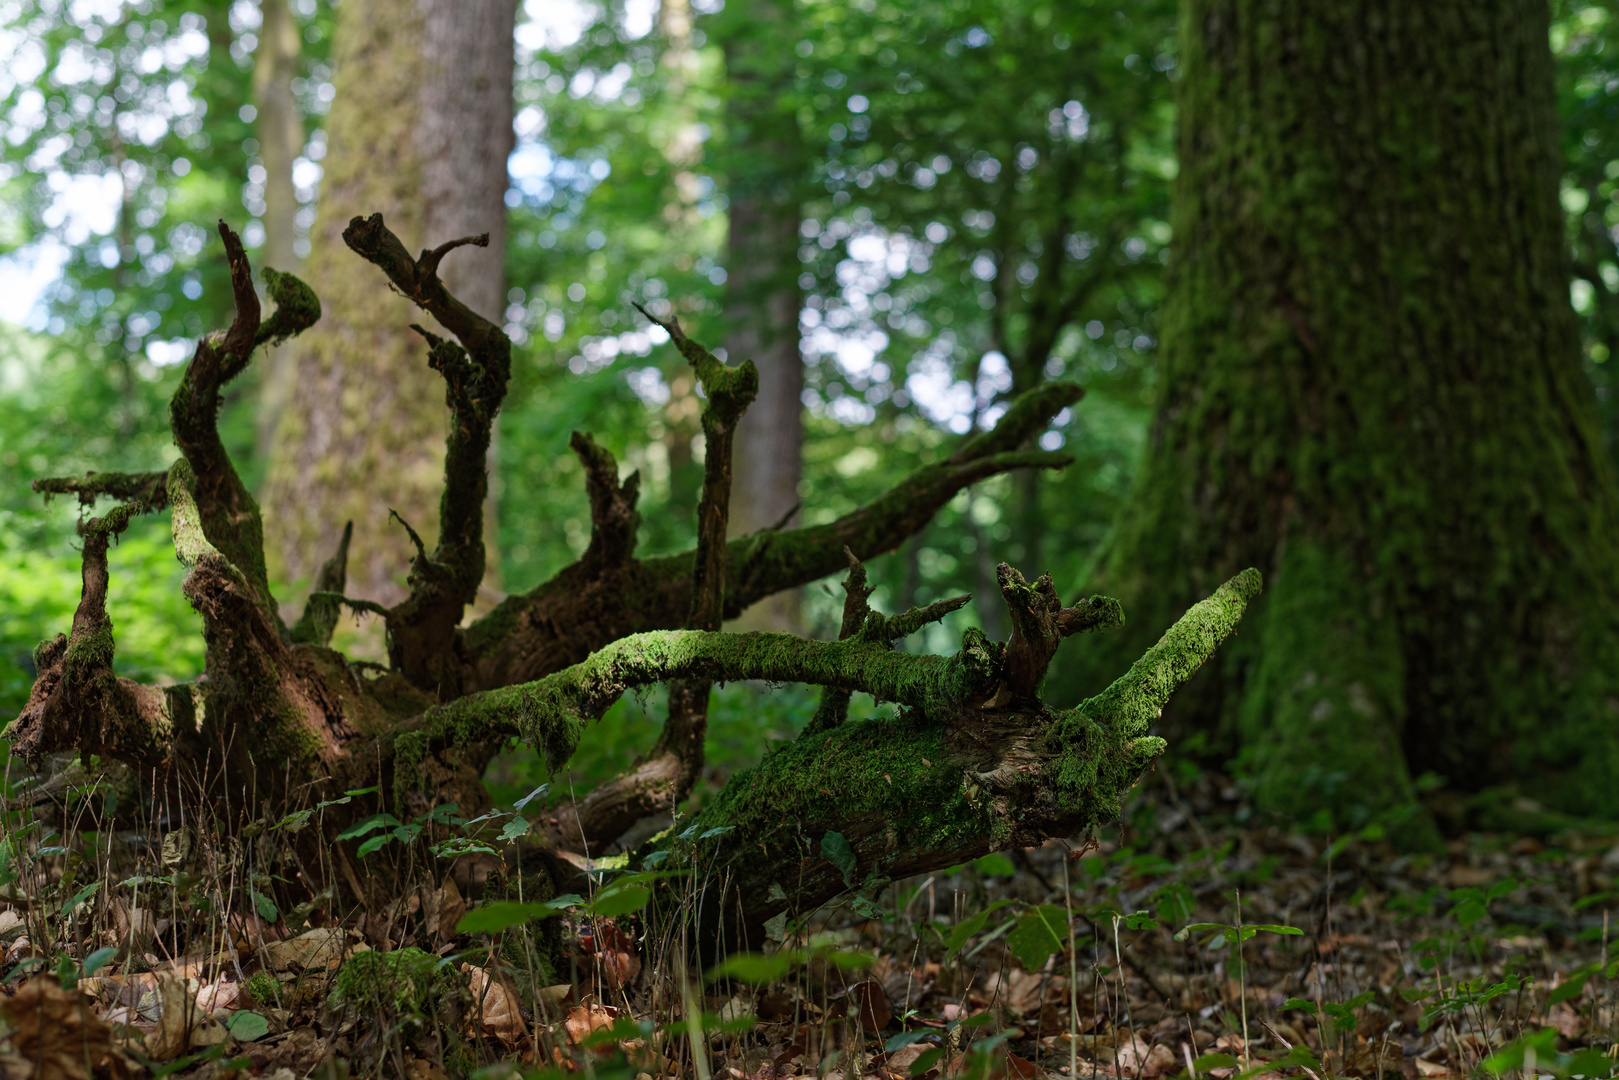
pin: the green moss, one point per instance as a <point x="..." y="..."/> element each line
<point x="297" y="308"/>
<point x="1324" y="715"/>
<point x="894" y="772"/>
<point x="263" y="989"/>
<point x="190" y="541"/>
<point x="90" y="652"/>
<point x="403" y="982"/>
<point x="1100" y="749"/>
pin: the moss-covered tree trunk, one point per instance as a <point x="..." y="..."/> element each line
<point x="420" y="130"/>
<point x="1370" y="389"/>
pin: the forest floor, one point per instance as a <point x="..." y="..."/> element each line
<point x="1373" y="964"/>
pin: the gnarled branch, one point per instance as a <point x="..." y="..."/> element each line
<point x="476" y="370"/>
<point x="227" y="512"/>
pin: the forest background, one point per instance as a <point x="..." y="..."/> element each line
<point x="945" y="156"/>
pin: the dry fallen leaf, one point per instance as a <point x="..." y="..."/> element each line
<point x="321" y="949"/>
<point x="615" y="951"/>
<point x="178" y="1013"/>
<point x="494" y="1008"/>
<point x="219" y="995"/>
<point x="872" y="1001"/>
<point x="56" y="1036"/>
<point x="585" y="1018"/>
<point x="451" y="907"/>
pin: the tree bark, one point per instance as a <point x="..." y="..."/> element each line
<point x="1370" y="388"/>
<point x="420" y="130"/>
<point x="280" y="130"/>
<point x="762" y="297"/>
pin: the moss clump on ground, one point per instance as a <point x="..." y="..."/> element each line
<point x="263" y="989"/>
<point x="402" y="982"/>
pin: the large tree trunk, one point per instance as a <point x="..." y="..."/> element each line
<point x="1370" y="388"/>
<point x="762" y="298"/>
<point x="280" y="130"/>
<point x="420" y="130"/>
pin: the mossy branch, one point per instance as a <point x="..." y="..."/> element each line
<point x="924" y="791"/>
<point x="145" y="489"/>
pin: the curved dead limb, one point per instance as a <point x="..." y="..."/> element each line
<point x="580" y="610"/>
<point x="227" y="510"/>
<point x="422" y="629"/>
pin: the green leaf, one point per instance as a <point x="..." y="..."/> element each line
<point x="995" y="865"/>
<point x="925" y="1062"/>
<point x="968" y="928"/>
<point x="755" y="968"/>
<point x="625" y="1027"/>
<point x="457" y="846"/>
<point x="265" y="907"/>
<point x="247" y="1026"/>
<point x="866" y="908"/>
<point x="375" y="821"/>
<point x="98" y="960"/>
<point x="1299" y="1003"/>
<point x="718" y="830"/>
<point x="1272" y="928"/>
<point x="373" y="844"/>
<point x="80" y="897"/>
<point x="1501" y="888"/>
<point x="838" y="852"/>
<point x="1198" y="927"/>
<point x="1140" y="920"/>
<point x="513" y="829"/>
<point x="294" y="821"/>
<point x="537" y="793"/>
<point x="620" y="898"/>
<point x="1214" y="1061"/>
<point x="1033" y="941"/>
<point x="906" y="1038"/>
<point x="1572" y="988"/>
<point x="499" y="915"/>
<point x="849" y="961"/>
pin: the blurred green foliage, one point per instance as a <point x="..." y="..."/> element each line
<point x="986" y="205"/>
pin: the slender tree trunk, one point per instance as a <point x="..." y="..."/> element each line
<point x="1371" y="390"/>
<point x="280" y="131"/>
<point x="420" y="131"/>
<point x="762" y="297"/>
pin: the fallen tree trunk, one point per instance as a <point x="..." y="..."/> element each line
<point x="281" y="725"/>
<point x="278" y="711"/>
